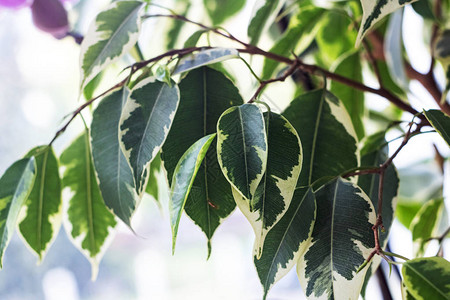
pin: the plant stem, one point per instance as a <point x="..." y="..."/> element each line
<point x="385" y="291"/>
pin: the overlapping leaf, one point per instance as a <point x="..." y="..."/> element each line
<point x="274" y="193"/>
<point x="440" y="122"/>
<point x="286" y="241"/>
<point x="264" y="14"/>
<point x="328" y="139"/>
<point x="205" y="95"/>
<point x="205" y="57"/>
<point x="145" y="123"/>
<point x="115" y="176"/>
<point x="15" y="186"/>
<point x="394" y="51"/>
<point x="427" y="278"/>
<point x="183" y="179"/>
<point x="374" y="11"/>
<point x="242" y="148"/>
<point x="113" y="33"/>
<point x="341" y="241"/>
<point x="89" y="222"/>
<point x="42" y="211"/>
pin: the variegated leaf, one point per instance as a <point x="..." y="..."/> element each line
<point x="183" y="178"/>
<point x="427" y="278"/>
<point x="15" y="186"/>
<point x="90" y="223"/>
<point x="204" y="95"/>
<point x="264" y="14"/>
<point x="42" y="212"/>
<point x="274" y="193"/>
<point x="112" y="34"/>
<point x="330" y="144"/>
<point x="205" y="57"/>
<point x="145" y="123"/>
<point x="440" y="122"/>
<point x="242" y="148"/>
<point x="374" y="11"/>
<point x="285" y="242"/>
<point x="114" y="174"/>
<point x="341" y="241"/>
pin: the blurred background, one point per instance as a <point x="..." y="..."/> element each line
<point x="39" y="77"/>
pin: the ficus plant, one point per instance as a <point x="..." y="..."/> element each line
<point x="315" y="179"/>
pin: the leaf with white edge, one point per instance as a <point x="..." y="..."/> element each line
<point x="440" y="122"/>
<point x="393" y="49"/>
<point x="183" y="178"/>
<point x="205" y="57"/>
<point x="204" y="95"/>
<point x="242" y="148"/>
<point x="330" y="144"/>
<point x="145" y="123"/>
<point x="114" y="174"/>
<point x="15" y="186"/>
<point x="353" y="99"/>
<point x="285" y="242"/>
<point x="112" y="34"/>
<point x="274" y="193"/>
<point x="341" y="241"/>
<point x="90" y="224"/>
<point x="425" y="224"/>
<point x="42" y="212"/>
<point x="374" y="11"/>
<point x="427" y="278"/>
<point x="264" y="13"/>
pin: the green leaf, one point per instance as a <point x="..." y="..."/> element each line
<point x="42" y="211"/>
<point x="341" y="241"/>
<point x="328" y="139"/>
<point x="145" y="123"/>
<point x="115" y="176"/>
<point x="152" y="185"/>
<point x="442" y="53"/>
<point x="220" y="10"/>
<point x="406" y="211"/>
<point x="183" y="178"/>
<point x="176" y="26"/>
<point x="353" y="99"/>
<point x="205" y="57"/>
<point x="427" y="278"/>
<point x="113" y="33"/>
<point x="242" y="148"/>
<point x="264" y="15"/>
<point x="298" y="36"/>
<point x="425" y="224"/>
<point x="374" y="11"/>
<point x="440" y="122"/>
<point x="194" y="38"/>
<point x="285" y="242"/>
<point x="274" y="193"/>
<point x="205" y="95"/>
<point x="90" y="223"/>
<point x="15" y="186"/>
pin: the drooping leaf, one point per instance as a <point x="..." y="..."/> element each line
<point x="183" y="178"/>
<point x="90" y="223"/>
<point x="374" y="11"/>
<point x="274" y="193"/>
<point x="353" y="99"/>
<point x="220" y="10"/>
<point x="113" y="33"/>
<point x="242" y="148"/>
<point x="205" y="95"/>
<point x="115" y="176"/>
<point x="341" y="240"/>
<point x="205" y="57"/>
<point x="145" y="123"/>
<point x="330" y="145"/>
<point x="427" y="278"/>
<point x="393" y="49"/>
<point x="15" y="186"/>
<point x="425" y="224"/>
<point x="42" y="211"/>
<point x="264" y="15"/>
<point x="440" y="122"/>
<point x="298" y="36"/>
<point x="176" y="26"/>
<point x="152" y="185"/>
<point x="285" y="242"/>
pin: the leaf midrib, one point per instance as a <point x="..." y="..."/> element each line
<point x="41" y="202"/>
<point x="316" y="130"/>
<point x="425" y="279"/>
<point x="244" y="147"/>
<point x="89" y="191"/>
